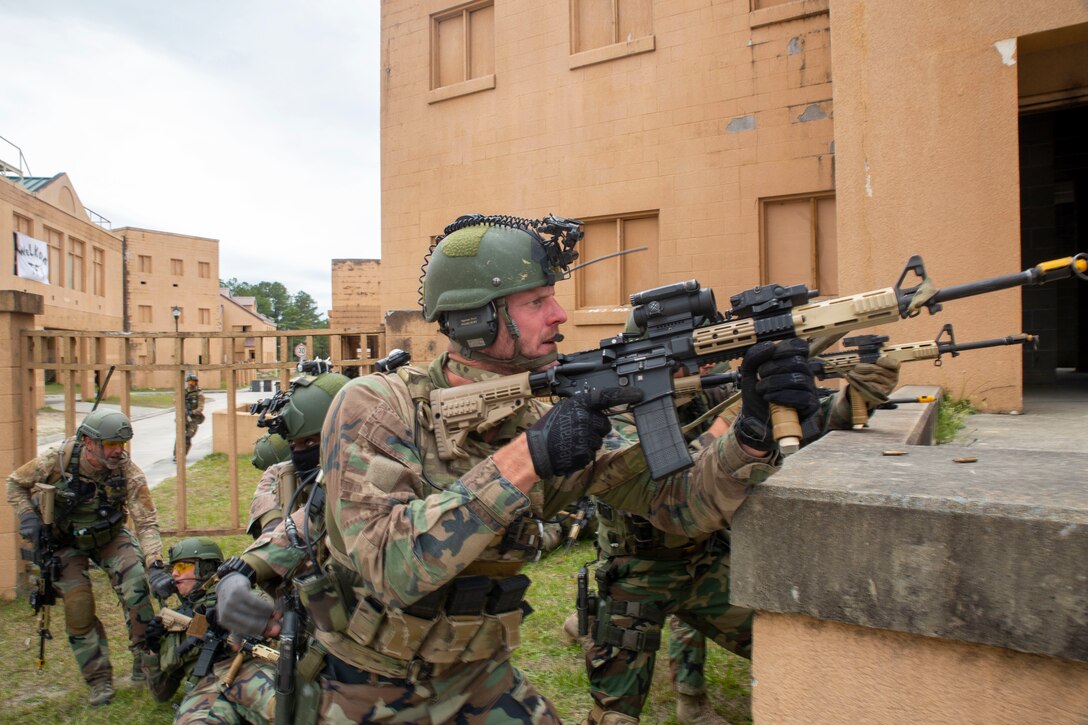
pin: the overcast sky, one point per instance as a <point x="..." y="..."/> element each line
<point x="254" y="122"/>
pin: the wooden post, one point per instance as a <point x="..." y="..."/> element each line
<point x="69" y="388"/>
<point x="232" y="449"/>
<point x="179" y="434"/>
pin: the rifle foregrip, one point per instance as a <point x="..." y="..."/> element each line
<point x="786" y="428"/>
<point x="859" y="411"/>
<point x="659" y="433"/>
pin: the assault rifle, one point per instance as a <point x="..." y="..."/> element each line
<point x="211" y="638"/>
<point x="291" y="630"/>
<point x="44" y="595"/>
<point x="870" y="348"/>
<point x="582" y="516"/>
<point x="681" y="328"/>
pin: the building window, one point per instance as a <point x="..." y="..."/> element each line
<point x="605" y="29"/>
<point x="204" y="269"/>
<point x="76" y="273"/>
<point x="799" y="243"/>
<point x="177" y="267"/>
<point x="145" y="313"/>
<point x="145" y="263"/>
<point x="463" y="47"/>
<point x="23" y="225"/>
<point x="611" y="282"/>
<point x="98" y="271"/>
<point x="56" y="256"/>
<point x="205" y="316"/>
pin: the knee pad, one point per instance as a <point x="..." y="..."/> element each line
<point x="79" y="617"/>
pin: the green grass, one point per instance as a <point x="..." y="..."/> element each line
<point x="951" y="417"/>
<point x="551" y="662"/>
<point x="144" y="398"/>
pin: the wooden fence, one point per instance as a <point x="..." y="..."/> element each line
<point x="89" y="355"/>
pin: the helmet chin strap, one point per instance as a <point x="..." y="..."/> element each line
<point x="517" y="359"/>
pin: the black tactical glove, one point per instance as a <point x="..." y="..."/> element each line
<point x="30" y="527"/>
<point x="776" y="373"/>
<point x="162" y="584"/>
<point x="239" y="609"/>
<point x="156" y="630"/>
<point x="567" y="437"/>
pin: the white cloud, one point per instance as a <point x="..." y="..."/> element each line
<point x="255" y="123"/>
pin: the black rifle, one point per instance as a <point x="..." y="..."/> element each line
<point x="582" y="517"/>
<point x="586" y="604"/>
<point x="214" y="641"/>
<point x="44" y="595"/>
<point x="290" y="630"/>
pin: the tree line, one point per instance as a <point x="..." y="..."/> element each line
<point x="288" y="311"/>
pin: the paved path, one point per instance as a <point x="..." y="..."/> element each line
<point x="152" y="445"/>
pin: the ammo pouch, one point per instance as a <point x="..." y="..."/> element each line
<point x="470" y="619"/>
<point x="324" y="601"/>
<point x="98" y="534"/>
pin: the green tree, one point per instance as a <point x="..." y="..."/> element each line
<point x="288" y="311"/>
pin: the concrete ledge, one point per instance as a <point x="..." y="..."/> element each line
<point x="27" y="303"/>
<point x="990" y="552"/>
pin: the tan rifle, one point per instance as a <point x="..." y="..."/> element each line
<point x="674" y="334"/>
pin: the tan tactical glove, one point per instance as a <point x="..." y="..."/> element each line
<point x="874" y="381"/>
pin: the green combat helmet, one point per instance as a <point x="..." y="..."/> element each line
<point x="270" y="449"/>
<point x="190" y="376"/>
<point x="201" y="549"/>
<point x="478" y="261"/>
<point x="106" y="425"/>
<point x="307" y="403"/>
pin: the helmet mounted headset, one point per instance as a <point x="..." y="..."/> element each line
<point x="477" y="261"/>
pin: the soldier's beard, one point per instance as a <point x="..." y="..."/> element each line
<point x="104" y="462"/>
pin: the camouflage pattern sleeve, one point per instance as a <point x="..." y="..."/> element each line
<point x="198" y="409"/>
<point x="145" y="519"/>
<point x="403" y="539"/>
<point x="265" y="505"/>
<point x="23" y="479"/>
<point x="692" y="503"/>
<point x="272" y="556"/>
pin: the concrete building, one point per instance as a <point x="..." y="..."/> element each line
<point x="57" y="251"/>
<point x="820" y="142"/>
<point x="169" y="272"/>
<point x="356" y="304"/>
<point x="743" y="144"/>
<point x="64" y="269"/>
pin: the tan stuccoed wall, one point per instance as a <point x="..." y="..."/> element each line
<point x="927" y="161"/>
<point x="805" y="670"/>
<point x="356" y="294"/>
<point x="17" y="312"/>
<point x="644" y="132"/>
<point x="918" y="142"/>
<point x="57" y="206"/>
<point x="162" y="290"/>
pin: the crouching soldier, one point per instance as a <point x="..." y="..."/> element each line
<point x="171" y="651"/>
<point x="98" y="487"/>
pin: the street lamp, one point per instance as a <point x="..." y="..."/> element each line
<point x="176" y="312"/>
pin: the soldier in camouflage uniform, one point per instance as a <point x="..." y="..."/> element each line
<point x="647" y="574"/>
<point x="426" y="598"/>
<point x="298" y="424"/>
<point x="171" y="654"/>
<point x="194" y="408"/>
<point x="97" y="487"/>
